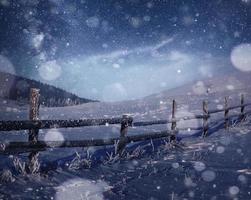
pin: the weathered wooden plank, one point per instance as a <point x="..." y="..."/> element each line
<point x="33" y="164"/>
<point x="242" y="115"/>
<point x="47" y="124"/>
<point x="123" y="134"/>
<point x="34" y="113"/>
<point x="205" y="119"/>
<point x="226" y="123"/>
<point x="43" y="145"/>
<point x="174" y="123"/>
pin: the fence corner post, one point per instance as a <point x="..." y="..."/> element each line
<point x="226" y="123"/>
<point x="205" y="118"/>
<point x="126" y="121"/>
<point x="34" y="113"/>
<point x="174" y="124"/>
<point x="242" y="115"/>
<point x="33" y="165"/>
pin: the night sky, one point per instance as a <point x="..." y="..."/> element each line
<point x="116" y="50"/>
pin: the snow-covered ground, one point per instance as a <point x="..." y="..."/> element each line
<point x="215" y="168"/>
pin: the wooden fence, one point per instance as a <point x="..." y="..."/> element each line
<point x="33" y="145"/>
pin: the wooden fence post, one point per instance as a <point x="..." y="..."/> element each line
<point x="123" y="133"/>
<point x="33" y="165"/>
<point x="205" y="118"/>
<point x="242" y="116"/>
<point x="226" y="123"/>
<point x="34" y="113"/>
<point x="174" y="124"/>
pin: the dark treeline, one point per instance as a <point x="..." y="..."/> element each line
<point x="18" y="88"/>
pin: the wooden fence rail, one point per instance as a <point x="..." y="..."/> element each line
<point x="34" y="124"/>
<point x="43" y="145"/>
<point x="47" y="124"/>
<point x="229" y="108"/>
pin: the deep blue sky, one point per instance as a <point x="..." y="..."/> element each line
<point x="115" y="50"/>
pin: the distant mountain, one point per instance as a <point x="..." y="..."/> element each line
<point x="18" y="88"/>
<point x="230" y="82"/>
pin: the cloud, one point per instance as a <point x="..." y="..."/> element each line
<point x="122" y="53"/>
<point x="178" y="56"/>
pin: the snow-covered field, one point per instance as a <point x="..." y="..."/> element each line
<point x="217" y="167"/>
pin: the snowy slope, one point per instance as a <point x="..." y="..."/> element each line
<point x="170" y="174"/>
<point x="217" y="167"/>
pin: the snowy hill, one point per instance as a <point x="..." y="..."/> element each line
<point x="13" y="87"/>
<point x="229" y="83"/>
